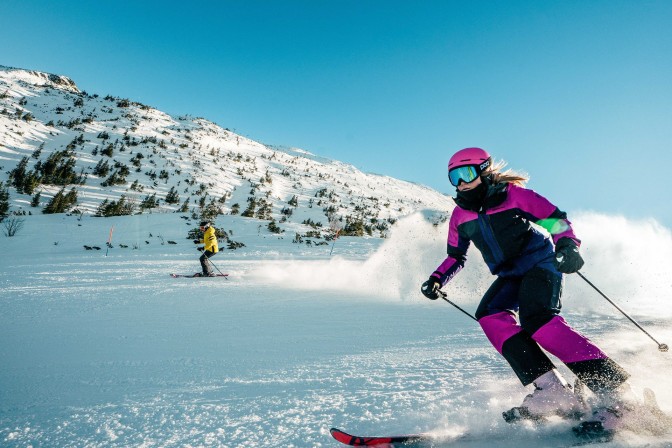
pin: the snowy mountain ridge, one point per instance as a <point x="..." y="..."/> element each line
<point x="64" y="150"/>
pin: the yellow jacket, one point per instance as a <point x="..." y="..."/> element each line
<point x="210" y="240"/>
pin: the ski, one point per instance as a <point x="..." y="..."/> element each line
<point x="405" y="440"/>
<point x="592" y="432"/>
<point x="586" y="433"/>
<point x="198" y="274"/>
<point x="422" y="440"/>
<point x="550" y="430"/>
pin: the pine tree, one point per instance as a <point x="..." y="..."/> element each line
<point x="149" y="202"/>
<point x="31" y="182"/>
<point x="108" y="151"/>
<point x="59" y="169"/>
<point x="185" y="206"/>
<point x="18" y="174"/>
<point x="172" y="197"/>
<point x="4" y="200"/>
<point x="36" y="154"/>
<point x="61" y="202"/>
<point x="211" y="211"/>
<point x="102" y="168"/>
<point x="35" y="202"/>
<point x="116" y="208"/>
<point x="251" y="205"/>
<point x="264" y="210"/>
<point x="273" y="227"/>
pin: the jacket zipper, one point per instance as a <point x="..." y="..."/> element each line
<point x="489" y="237"/>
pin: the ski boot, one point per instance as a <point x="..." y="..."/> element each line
<point x="620" y="410"/>
<point x="552" y="396"/>
<point x="608" y="415"/>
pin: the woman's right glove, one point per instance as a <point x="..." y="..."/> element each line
<point x="567" y="257"/>
<point x="430" y="288"/>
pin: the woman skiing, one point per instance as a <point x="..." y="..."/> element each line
<point x="495" y="212"/>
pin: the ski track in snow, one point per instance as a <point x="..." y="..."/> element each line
<point x="111" y="352"/>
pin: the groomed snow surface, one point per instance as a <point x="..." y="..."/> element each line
<point x="109" y="351"/>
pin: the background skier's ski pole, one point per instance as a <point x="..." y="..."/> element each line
<point x="444" y="296"/>
<point x="334" y="243"/>
<point x="213" y="265"/>
<point x="661" y="347"/>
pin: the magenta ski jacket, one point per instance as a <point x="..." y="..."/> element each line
<point x="502" y="230"/>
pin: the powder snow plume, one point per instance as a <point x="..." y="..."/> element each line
<point x="395" y="269"/>
<point x="628" y="260"/>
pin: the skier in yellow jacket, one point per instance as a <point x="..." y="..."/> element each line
<point x="210" y="247"/>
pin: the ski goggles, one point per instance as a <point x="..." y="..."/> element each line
<point x="466" y="174"/>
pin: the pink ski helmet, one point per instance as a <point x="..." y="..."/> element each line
<point x="471" y="163"/>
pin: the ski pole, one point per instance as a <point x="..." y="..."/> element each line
<point x="661" y="347"/>
<point x="444" y="296"/>
<point x="334" y="243"/>
<point x="213" y="265"/>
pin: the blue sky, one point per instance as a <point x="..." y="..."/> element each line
<point x="576" y="93"/>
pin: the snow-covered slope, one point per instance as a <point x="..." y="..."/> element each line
<point x="54" y="136"/>
<point x="102" y="348"/>
<point x="109" y="351"/>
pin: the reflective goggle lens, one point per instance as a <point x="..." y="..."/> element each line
<point x="463" y="173"/>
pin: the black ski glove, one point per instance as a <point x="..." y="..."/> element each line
<point x="567" y="257"/>
<point x="197" y="241"/>
<point x="200" y="249"/>
<point x="430" y="288"/>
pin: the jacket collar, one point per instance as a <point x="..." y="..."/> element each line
<point x="494" y="195"/>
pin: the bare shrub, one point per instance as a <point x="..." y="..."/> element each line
<point x="12" y="226"/>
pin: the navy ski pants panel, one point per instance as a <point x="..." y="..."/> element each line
<point x="535" y="296"/>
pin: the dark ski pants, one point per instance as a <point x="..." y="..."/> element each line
<point x="205" y="264"/>
<point x="536" y="298"/>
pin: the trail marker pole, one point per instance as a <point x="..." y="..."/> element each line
<point x="109" y="241"/>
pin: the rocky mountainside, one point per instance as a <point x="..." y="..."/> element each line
<point x="63" y="150"/>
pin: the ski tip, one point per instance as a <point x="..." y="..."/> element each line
<point x="340" y="436"/>
<point x="384" y="441"/>
<point x="347" y="439"/>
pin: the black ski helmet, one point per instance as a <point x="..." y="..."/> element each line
<point x="205" y="224"/>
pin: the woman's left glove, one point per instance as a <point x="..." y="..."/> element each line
<point x="430" y="288"/>
<point x="567" y="257"/>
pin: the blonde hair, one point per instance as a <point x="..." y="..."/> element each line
<point x="508" y="176"/>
